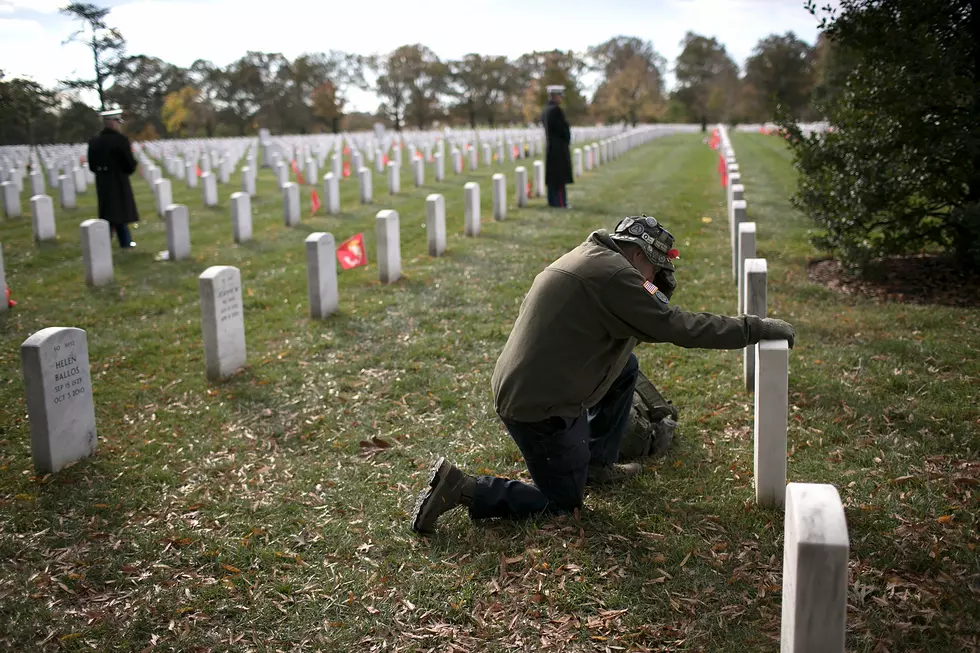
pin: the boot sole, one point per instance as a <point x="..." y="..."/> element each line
<point x="419" y="516"/>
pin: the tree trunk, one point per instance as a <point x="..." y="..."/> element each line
<point x="335" y="124"/>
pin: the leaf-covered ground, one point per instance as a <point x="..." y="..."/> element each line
<point x="268" y="512"/>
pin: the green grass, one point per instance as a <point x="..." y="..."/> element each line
<point x="245" y="515"/>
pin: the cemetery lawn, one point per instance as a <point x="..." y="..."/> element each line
<point x="270" y="512"/>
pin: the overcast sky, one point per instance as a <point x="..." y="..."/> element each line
<point x="181" y="31"/>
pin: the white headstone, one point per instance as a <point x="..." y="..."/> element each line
<point x="471" y="208"/>
<point x="191" y="175"/>
<point x="435" y="223"/>
<point x="418" y="164"/>
<point x="577" y="156"/>
<point x="520" y="181"/>
<point x="96" y="252"/>
<point x="11" y="199"/>
<point x="60" y="408"/>
<point x="596" y="157"/>
<point x="222" y="320"/>
<point x="587" y="156"/>
<point x="178" y="232"/>
<point x="473" y="159"/>
<point x="539" y="179"/>
<point x="331" y="193"/>
<point x="81" y="183"/>
<point x="389" y="246"/>
<point x="282" y="174"/>
<point x="394" y="178"/>
<point x="754" y="303"/>
<point x="771" y="414"/>
<point x="336" y="161"/>
<point x="290" y="204"/>
<point x="439" y="167"/>
<point x="738" y="216"/>
<point x="379" y="162"/>
<point x="37" y="183"/>
<point x="248" y="182"/>
<point x="364" y="176"/>
<point x="163" y="195"/>
<point x="209" y="189"/>
<point x="67" y="189"/>
<point x="241" y="217"/>
<point x="42" y="218"/>
<point x="499" y="196"/>
<point x="487" y="154"/>
<point x="746" y="249"/>
<point x="321" y="274"/>
<point x="814" y="587"/>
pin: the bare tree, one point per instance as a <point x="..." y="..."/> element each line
<point x="107" y="44"/>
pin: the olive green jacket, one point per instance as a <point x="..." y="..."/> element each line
<point x="579" y="323"/>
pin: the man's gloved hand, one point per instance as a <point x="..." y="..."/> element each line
<point x="773" y="329"/>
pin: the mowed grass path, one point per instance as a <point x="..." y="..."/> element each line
<point x="248" y="516"/>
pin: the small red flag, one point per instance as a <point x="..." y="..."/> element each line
<point x="346" y="150"/>
<point x="299" y="175"/>
<point x="723" y="170"/>
<point x="516" y="150"/>
<point x="529" y="189"/>
<point x="199" y="173"/>
<point x="315" y="202"/>
<point x="351" y="252"/>
<point x="384" y="159"/>
<point x="347" y="168"/>
<point x="11" y="303"/>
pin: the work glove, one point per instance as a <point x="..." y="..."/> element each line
<point x="773" y="329"/>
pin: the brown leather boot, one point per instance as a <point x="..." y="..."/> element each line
<point x="449" y="488"/>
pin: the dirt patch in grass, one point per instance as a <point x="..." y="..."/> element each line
<point x="920" y="279"/>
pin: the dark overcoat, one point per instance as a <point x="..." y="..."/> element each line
<point x="558" y="135"/>
<point x="110" y="157"/>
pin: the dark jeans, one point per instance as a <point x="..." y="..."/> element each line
<point x="122" y="232"/>
<point x="557" y="196"/>
<point x="558" y="452"/>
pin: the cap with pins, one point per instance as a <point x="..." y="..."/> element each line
<point x="556" y="89"/>
<point x="112" y="114"/>
<point x="655" y="241"/>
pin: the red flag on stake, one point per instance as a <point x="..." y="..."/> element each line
<point x="723" y="171"/>
<point x="529" y="190"/>
<point x="315" y="202"/>
<point x="347" y="168"/>
<point x="351" y="252"/>
<point x="11" y="303"/>
<point x="199" y="173"/>
<point x="299" y="175"/>
<point x="346" y="150"/>
<point x="384" y="159"/>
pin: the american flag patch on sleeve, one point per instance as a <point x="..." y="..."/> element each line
<point x="650" y="288"/>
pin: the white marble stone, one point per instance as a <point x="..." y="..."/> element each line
<point x="539" y="189"/>
<point x="190" y="176"/>
<point x="471" y="208"/>
<point x="418" y="166"/>
<point x="739" y="215"/>
<point x="60" y="407"/>
<point x="500" y="153"/>
<point x="474" y="159"/>
<point x="312" y="172"/>
<point x="248" y="182"/>
<point x="162" y="195"/>
<point x="577" y="162"/>
<point x="596" y="156"/>
<point x="499" y="196"/>
<point x="439" y="166"/>
<point x="282" y="174"/>
<point x="224" y="171"/>
<point x="290" y="204"/>
<point x="178" y="232"/>
<point x="321" y="274"/>
<point x="337" y="165"/>
<point x="387" y="235"/>
<point x="771" y="414"/>
<point x="520" y="184"/>
<point x="37" y="183"/>
<point x="745" y="249"/>
<point x="815" y="554"/>
<point x="331" y="193"/>
<point x="366" y="187"/>
<point x="487" y="155"/>
<point x="587" y="157"/>
<point x="209" y="189"/>
<point x="42" y="219"/>
<point x="81" y="182"/>
<point x="66" y="186"/>
<point x="753" y="303"/>
<point x="435" y="223"/>
<point x="241" y="217"/>
<point x="222" y="321"/>
<point x="11" y="200"/>
<point x="96" y="252"/>
<point x="394" y="178"/>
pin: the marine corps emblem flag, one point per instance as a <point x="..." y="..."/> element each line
<point x="351" y="252"/>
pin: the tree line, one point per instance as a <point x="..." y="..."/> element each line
<point x="415" y="87"/>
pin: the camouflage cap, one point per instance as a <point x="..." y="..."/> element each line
<point x="655" y="241"/>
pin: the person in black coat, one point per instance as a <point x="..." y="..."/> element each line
<point x="110" y="157"/>
<point x="558" y="159"/>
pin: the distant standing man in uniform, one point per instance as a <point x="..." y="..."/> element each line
<point x="558" y="160"/>
<point x="110" y="157"/>
<point x="563" y="385"/>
